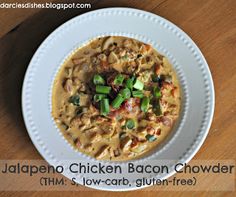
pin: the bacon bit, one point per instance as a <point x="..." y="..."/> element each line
<point x="113" y="114"/>
<point x="148" y="58"/>
<point x="142" y="140"/>
<point x="158" y="119"/>
<point x="145" y="48"/>
<point x="157" y="69"/>
<point x="129" y="106"/>
<point x="131" y="103"/>
<point x="158" y="132"/>
<point x="104" y="64"/>
<point x="150" y="130"/>
<point x="136" y="101"/>
<point x="166" y="85"/>
<point x="134" y="142"/>
<point x="174" y="92"/>
<point x="166" y="113"/>
<point x="166" y="121"/>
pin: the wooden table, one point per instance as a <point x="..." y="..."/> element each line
<point x="211" y="24"/>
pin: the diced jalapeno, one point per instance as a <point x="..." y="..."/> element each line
<point x="130" y="124"/>
<point x="150" y="138"/>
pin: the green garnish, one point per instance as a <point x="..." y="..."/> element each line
<point x="117" y="101"/>
<point x="119" y="79"/>
<point x="104" y="107"/>
<point x="145" y="104"/>
<point x="130" y="124"/>
<point x="129" y="83"/>
<point x="137" y="94"/>
<point x="150" y="138"/>
<point x="138" y="84"/>
<point x="75" y="100"/>
<point x="132" y="87"/>
<point x="125" y="93"/>
<point x="98" y="80"/>
<point x="156" y="92"/>
<point x="103" y="89"/>
<point x="98" y="97"/>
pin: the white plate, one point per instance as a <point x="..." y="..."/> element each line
<point x="188" y="61"/>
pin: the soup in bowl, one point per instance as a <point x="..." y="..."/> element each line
<point x="116" y="98"/>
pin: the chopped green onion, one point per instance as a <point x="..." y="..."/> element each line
<point x="98" y="97"/>
<point x="150" y="138"/>
<point x="145" y="104"/>
<point x="117" y="101"/>
<point x="119" y="79"/>
<point x="103" y="89"/>
<point x="156" y="92"/>
<point x="125" y="93"/>
<point x="137" y="93"/>
<point x="129" y="83"/>
<point x="75" y="100"/>
<point x="98" y="80"/>
<point x="104" y="106"/>
<point x="138" y="84"/>
<point x="157" y="107"/>
<point x="130" y="124"/>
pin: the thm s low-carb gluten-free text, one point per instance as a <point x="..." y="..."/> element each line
<point x="116" y="98"/>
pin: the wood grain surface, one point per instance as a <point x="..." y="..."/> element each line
<point x="210" y="23"/>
